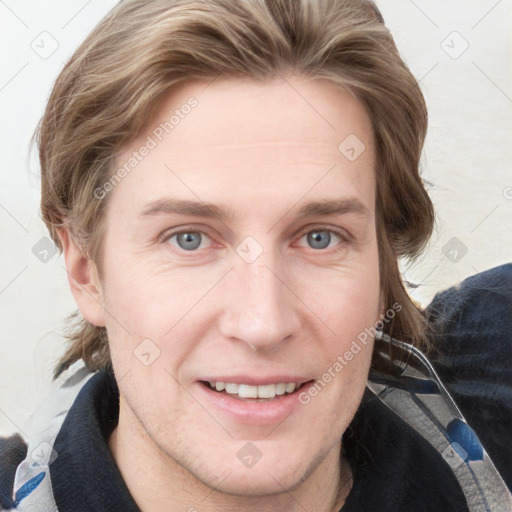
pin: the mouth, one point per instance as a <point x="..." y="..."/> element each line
<point x="256" y="393"/>
<point x="253" y="400"/>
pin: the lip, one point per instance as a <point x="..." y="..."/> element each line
<point x="252" y="412"/>
<point x="258" y="381"/>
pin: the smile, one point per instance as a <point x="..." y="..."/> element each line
<point x="247" y="391"/>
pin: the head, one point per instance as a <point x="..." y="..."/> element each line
<point x="297" y="130"/>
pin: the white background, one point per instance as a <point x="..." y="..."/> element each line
<point x="467" y="159"/>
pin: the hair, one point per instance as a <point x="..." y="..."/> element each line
<point x="111" y="86"/>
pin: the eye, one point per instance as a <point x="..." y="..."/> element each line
<point x="187" y="240"/>
<point x="192" y="240"/>
<point x="321" y="238"/>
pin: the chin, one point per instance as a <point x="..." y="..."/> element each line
<point x="265" y="481"/>
<point x="280" y="469"/>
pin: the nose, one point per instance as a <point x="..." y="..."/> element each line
<point x="259" y="308"/>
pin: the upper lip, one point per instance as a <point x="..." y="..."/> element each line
<point x="257" y="381"/>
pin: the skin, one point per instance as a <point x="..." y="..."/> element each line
<point x="262" y="151"/>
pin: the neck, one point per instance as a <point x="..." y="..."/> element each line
<point x="157" y="482"/>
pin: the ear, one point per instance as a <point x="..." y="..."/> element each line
<point x="83" y="279"/>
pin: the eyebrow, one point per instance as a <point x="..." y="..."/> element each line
<point x="168" y="206"/>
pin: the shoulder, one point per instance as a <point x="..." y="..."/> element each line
<point x="483" y="300"/>
<point x="13" y="450"/>
<point x="395" y="468"/>
<point x="24" y="464"/>
<point x="473" y="355"/>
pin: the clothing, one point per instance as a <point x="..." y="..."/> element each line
<point x="408" y="445"/>
<point x="473" y="356"/>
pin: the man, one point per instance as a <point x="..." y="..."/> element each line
<point x="231" y="184"/>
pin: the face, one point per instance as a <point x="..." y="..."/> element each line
<point x="240" y="253"/>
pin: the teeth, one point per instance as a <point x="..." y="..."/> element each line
<point x="290" y="388"/>
<point x="247" y="391"/>
<point x="268" y="391"/>
<point x="280" y="388"/>
<point x="232" y="389"/>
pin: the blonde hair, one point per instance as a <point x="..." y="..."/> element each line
<point x="112" y="84"/>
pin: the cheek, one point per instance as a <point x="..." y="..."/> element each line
<point x="148" y="307"/>
<point x="357" y="308"/>
<point x="349" y="301"/>
<point x="349" y="309"/>
<point x="144" y="299"/>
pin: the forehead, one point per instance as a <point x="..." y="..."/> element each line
<point x="237" y="140"/>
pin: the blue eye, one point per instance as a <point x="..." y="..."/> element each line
<point x="191" y="240"/>
<point x="321" y="238"/>
<point x="187" y="240"/>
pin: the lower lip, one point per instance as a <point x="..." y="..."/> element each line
<point x="262" y="413"/>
